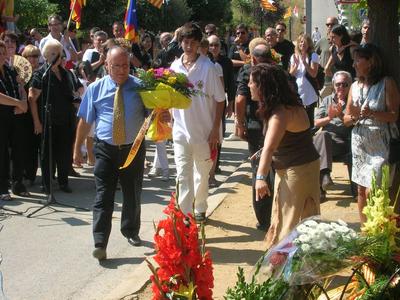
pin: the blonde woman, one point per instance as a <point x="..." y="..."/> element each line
<point x="305" y="61"/>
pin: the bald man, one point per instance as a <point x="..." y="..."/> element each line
<point x="98" y="107"/>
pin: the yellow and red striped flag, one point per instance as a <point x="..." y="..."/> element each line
<point x="76" y="10"/>
<point x="156" y="3"/>
<point x="130" y="22"/>
<point x="267" y="5"/>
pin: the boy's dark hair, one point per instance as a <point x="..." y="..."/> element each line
<point x="191" y="31"/>
<point x="282" y="24"/>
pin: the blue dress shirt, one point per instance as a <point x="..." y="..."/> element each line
<point x="98" y="103"/>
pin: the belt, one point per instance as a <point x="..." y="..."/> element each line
<point x="119" y="147"/>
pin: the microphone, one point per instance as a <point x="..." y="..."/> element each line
<point x="51" y="64"/>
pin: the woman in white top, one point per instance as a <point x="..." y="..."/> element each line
<point x="304" y="61"/>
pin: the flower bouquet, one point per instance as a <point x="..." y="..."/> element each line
<point x="164" y="89"/>
<point x="185" y="268"/>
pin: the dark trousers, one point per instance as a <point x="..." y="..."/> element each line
<point x="62" y="147"/>
<point x="262" y="207"/>
<point x="31" y="156"/>
<point x="13" y="136"/>
<point x="310" y="113"/>
<point x="106" y="172"/>
<point x="329" y="146"/>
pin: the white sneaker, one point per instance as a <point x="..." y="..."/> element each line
<point x="154" y="172"/>
<point x="232" y="137"/>
<point x="165" y="175"/>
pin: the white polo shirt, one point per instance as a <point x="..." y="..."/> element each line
<point x="194" y="124"/>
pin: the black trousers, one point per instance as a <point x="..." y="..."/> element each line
<point x="310" y="113"/>
<point x="106" y="172"/>
<point x="262" y="207"/>
<point x="31" y="156"/>
<point x="62" y="139"/>
<point x="13" y="135"/>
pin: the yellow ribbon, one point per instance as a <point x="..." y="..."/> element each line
<point x="138" y="140"/>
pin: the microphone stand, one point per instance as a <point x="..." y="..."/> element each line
<point x="48" y="133"/>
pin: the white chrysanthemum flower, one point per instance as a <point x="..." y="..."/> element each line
<point x="311" y="223"/>
<point x="304" y="238"/>
<point x="305" y="248"/>
<point x="331" y="234"/>
<point x="302" y="228"/>
<point x="324" y="226"/>
<point x="343" y="223"/>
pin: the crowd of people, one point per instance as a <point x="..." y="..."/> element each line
<point x="294" y="121"/>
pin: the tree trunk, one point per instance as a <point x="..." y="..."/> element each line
<point x="385" y="33"/>
<point x="384" y="20"/>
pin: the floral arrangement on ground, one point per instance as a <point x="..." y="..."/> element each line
<point x="305" y="264"/>
<point x="184" y="269"/>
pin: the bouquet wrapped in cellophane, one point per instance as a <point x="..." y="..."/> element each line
<point x="164" y="89"/>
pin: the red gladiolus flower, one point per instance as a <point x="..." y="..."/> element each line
<point x="179" y="257"/>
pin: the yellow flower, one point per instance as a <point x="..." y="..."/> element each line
<point x="171" y="80"/>
<point x="166" y="72"/>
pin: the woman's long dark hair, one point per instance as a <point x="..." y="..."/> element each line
<point x="341" y="31"/>
<point x="372" y="53"/>
<point x="275" y="88"/>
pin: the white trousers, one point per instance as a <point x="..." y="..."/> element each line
<point x="193" y="165"/>
<point x="160" y="156"/>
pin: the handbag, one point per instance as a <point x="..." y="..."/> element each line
<point x="394" y="148"/>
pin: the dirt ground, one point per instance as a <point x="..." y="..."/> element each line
<point x="234" y="241"/>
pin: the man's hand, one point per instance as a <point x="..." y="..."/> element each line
<point x="22" y="106"/>
<point x="165" y="116"/>
<point x="332" y="112"/>
<point x="229" y="109"/>
<point x="37" y="127"/>
<point x="213" y="138"/>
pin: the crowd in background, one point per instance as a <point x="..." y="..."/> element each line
<point x="293" y="102"/>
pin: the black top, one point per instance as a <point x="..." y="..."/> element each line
<point x="227" y="69"/>
<point x="9" y="87"/>
<point x="295" y="149"/>
<point x="346" y="64"/>
<point x="234" y="54"/>
<point x="251" y="106"/>
<point x="61" y="95"/>
<point x="286" y="49"/>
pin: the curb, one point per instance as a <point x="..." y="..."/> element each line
<point x="141" y="276"/>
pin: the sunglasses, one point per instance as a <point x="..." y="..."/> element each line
<point x="209" y="32"/>
<point x="329" y="24"/>
<point x="240" y="32"/>
<point x="214" y="45"/>
<point x="33" y="56"/>
<point x="341" y="84"/>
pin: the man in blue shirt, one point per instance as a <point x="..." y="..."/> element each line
<point x="98" y="106"/>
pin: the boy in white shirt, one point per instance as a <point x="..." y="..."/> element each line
<point x="196" y="130"/>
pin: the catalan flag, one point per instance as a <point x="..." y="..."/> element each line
<point x="130" y="22"/>
<point x="267" y="5"/>
<point x="156" y="3"/>
<point x="76" y="11"/>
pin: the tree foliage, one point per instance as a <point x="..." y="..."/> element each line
<point x="211" y="11"/>
<point x="33" y="13"/>
<point x="251" y="13"/>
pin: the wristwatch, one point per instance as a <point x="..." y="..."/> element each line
<point x="261" y="177"/>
